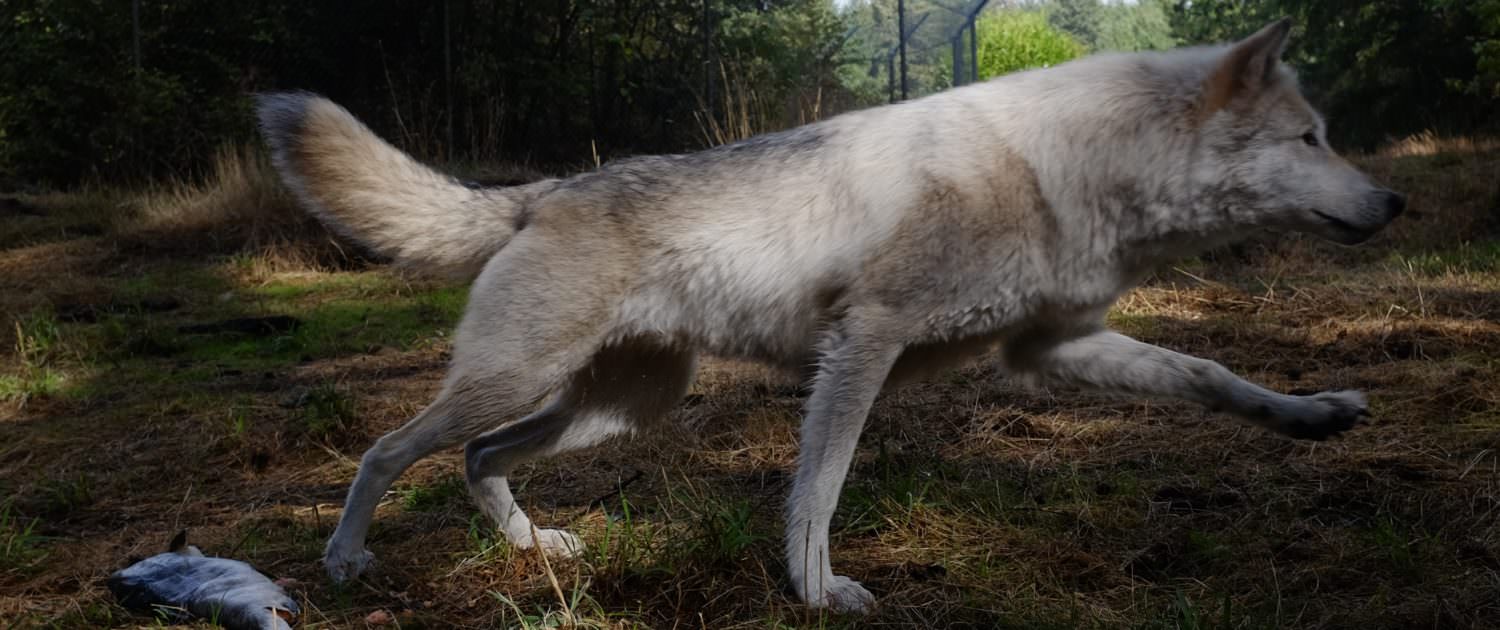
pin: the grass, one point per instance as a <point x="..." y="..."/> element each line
<point x="20" y="544"/>
<point x="31" y="383"/>
<point x="1467" y="257"/>
<point x="326" y="410"/>
<point x="37" y="342"/>
<point x="443" y="494"/>
<point x="973" y="502"/>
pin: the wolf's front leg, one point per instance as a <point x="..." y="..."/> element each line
<point x="852" y="369"/>
<point x="1111" y="361"/>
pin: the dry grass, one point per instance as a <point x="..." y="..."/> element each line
<point x="240" y="198"/>
<point x="238" y="207"/>
<point x="1428" y="143"/>
<point x="973" y="503"/>
<point x="744" y="113"/>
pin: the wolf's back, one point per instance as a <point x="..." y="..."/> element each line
<point x="370" y="191"/>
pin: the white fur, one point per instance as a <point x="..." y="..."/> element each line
<point x="878" y="245"/>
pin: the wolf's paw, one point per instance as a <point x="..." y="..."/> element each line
<point x="343" y="566"/>
<point x="1323" y="415"/>
<point x="555" y="542"/>
<point x="840" y="594"/>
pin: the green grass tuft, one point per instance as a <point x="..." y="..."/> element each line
<point x="32" y="383"/>
<point x="327" y="409"/>
<point x="1468" y="257"/>
<point x="66" y="496"/>
<point x="446" y="492"/>
<point x="20" y="545"/>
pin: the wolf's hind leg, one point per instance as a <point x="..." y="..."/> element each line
<point x="345" y="556"/>
<point x="520" y="340"/>
<point x="468" y="405"/>
<point x="623" y="387"/>
<point x="1111" y="361"/>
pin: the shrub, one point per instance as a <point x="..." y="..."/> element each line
<point x="1018" y="40"/>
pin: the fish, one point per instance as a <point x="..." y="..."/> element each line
<point x="183" y="583"/>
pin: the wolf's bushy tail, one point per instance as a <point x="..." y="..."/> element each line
<point x="372" y="192"/>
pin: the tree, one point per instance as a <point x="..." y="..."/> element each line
<point x="1216" y="21"/>
<point x="1486" y="82"/>
<point x="1138" y="26"/>
<point x="1378" y="69"/>
<point x="1079" y="18"/>
<point x="544" y="82"/>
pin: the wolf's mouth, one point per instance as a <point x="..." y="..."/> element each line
<point x="1339" y="223"/>
<point x="1346" y="233"/>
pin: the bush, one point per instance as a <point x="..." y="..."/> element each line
<point x="1018" y="40"/>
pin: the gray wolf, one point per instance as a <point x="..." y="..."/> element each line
<point x="879" y="246"/>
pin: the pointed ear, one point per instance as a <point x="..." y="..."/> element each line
<point x="1247" y="67"/>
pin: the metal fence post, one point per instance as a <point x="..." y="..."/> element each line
<point x="973" y="51"/>
<point x="890" y="77"/>
<point x="135" y="34"/>
<point x="901" y="32"/>
<point x="448" y="74"/>
<point x="959" y="67"/>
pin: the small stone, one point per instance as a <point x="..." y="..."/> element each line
<point x="294" y="398"/>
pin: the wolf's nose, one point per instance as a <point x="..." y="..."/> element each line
<point x="1395" y="203"/>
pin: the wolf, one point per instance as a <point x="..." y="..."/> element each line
<point x="878" y="246"/>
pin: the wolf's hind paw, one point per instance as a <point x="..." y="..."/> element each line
<point x="1324" y="415"/>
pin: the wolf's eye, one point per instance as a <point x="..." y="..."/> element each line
<point x="1310" y="138"/>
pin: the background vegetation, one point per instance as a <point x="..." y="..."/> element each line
<point x="1017" y="40"/>
<point x="548" y="83"/>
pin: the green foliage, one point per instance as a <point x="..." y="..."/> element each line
<point x="874" y="25"/>
<point x="1083" y="19"/>
<point x="785" y="54"/>
<point x="327" y="409"/>
<point x="553" y="82"/>
<point x="36" y="383"/>
<point x="1378" y="69"/>
<point x="1113" y="25"/>
<point x="1132" y="27"/>
<point x="1466" y="257"/>
<point x="1218" y="21"/>
<point x="448" y="491"/>
<point x="38" y="345"/>
<point x="74" y="105"/>
<point x="1018" y="40"/>
<point x="1392" y="68"/>
<point x="1486" y="83"/>
<point x="728" y="529"/>
<point x="66" y="496"/>
<point x="38" y="339"/>
<point x="628" y="543"/>
<point x="20" y="545"/>
<point x="543" y="81"/>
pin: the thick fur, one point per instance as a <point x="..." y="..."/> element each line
<point x="372" y="192"/>
<point x="878" y="246"/>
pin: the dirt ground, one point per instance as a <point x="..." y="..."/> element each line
<point x="222" y="377"/>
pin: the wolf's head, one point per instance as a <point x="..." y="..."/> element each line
<point x="1264" y="152"/>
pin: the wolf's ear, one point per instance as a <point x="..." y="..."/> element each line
<point x="1247" y="67"/>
